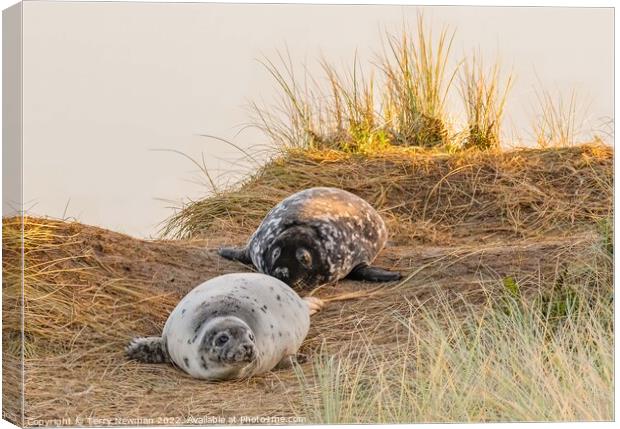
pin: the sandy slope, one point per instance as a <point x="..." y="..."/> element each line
<point x="89" y="290"/>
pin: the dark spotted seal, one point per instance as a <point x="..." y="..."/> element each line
<point x="317" y="236"/>
<point x="232" y="326"/>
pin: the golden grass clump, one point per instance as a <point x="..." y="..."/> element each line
<point x="344" y="117"/>
<point x="402" y="102"/>
<point x="484" y="97"/>
<point x="357" y="126"/>
<point x="417" y="84"/>
<point x="425" y="195"/>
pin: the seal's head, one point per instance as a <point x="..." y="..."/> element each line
<point x="295" y="258"/>
<point x="229" y="343"/>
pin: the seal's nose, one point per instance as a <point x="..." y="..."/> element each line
<point x="249" y="352"/>
<point x="281" y="273"/>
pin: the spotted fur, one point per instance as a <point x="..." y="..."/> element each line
<point x="339" y="232"/>
<point x="265" y="320"/>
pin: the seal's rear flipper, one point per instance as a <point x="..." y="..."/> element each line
<point x="148" y="350"/>
<point x="233" y="254"/>
<point x="373" y="274"/>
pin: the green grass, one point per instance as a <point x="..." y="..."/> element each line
<point x="484" y="97"/>
<point x="342" y="117"/>
<point x="546" y="357"/>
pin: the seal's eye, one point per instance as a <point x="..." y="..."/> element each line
<point x="304" y="257"/>
<point x="251" y="337"/>
<point x="275" y="254"/>
<point x="222" y="339"/>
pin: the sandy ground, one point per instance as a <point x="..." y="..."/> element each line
<point x="96" y="385"/>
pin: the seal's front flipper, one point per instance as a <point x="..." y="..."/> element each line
<point x="285" y="363"/>
<point x="289" y="360"/>
<point x="373" y="274"/>
<point x="148" y="350"/>
<point x="314" y="304"/>
<point x="233" y="254"/>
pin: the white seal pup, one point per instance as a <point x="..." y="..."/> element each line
<point x="232" y="326"/>
<point x="317" y="236"/>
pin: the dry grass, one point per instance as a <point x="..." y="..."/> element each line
<point x="88" y="290"/>
<point x="427" y="196"/>
<point x="61" y="264"/>
<point x="466" y="228"/>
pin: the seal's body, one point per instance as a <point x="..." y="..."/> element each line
<point x="232" y="326"/>
<point x="317" y="236"/>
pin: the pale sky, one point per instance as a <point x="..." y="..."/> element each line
<point x="107" y="83"/>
